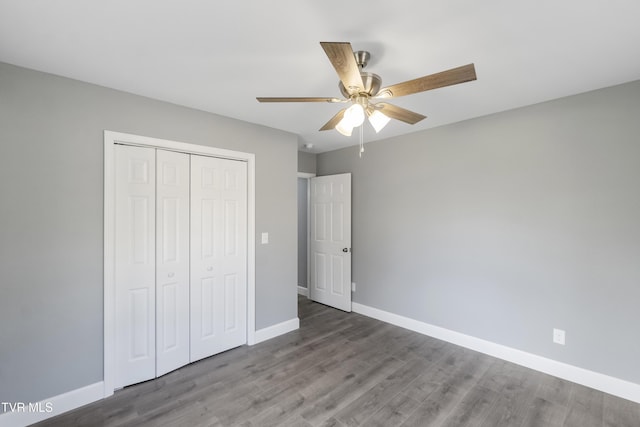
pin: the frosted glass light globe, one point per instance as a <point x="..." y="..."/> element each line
<point x="354" y="116"/>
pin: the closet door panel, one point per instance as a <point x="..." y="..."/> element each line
<point x="218" y="255"/>
<point x="172" y="261"/>
<point x="135" y="241"/>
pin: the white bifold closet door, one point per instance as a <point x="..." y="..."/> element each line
<point x="172" y="261"/>
<point x="181" y="260"/>
<point x="135" y="271"/>
<point x="218" y="255"/>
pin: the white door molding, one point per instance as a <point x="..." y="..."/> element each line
<point x="110" y="140"/>
<point x="307" y="176"/>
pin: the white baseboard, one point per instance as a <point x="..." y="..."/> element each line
<point x="303" y="291"/>
<point x="276" y="330"/>
<point x="595" y="380"/>
<point x="53" y="406"/>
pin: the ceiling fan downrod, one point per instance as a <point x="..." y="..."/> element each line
<point x="362" y="58"/>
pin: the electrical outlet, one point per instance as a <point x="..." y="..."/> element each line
<point x="558" y="336"/>
<point x="353" y="286"/>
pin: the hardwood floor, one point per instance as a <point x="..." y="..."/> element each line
<point x="342" y="369"/>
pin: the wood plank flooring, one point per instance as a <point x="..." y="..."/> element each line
<point x="342" y="369"/>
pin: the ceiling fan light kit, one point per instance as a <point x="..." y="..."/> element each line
<point x="361" y="89"/>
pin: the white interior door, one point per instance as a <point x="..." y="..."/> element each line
<point x="218" y="255"/>
<point x="135" y="272"/>
<point x="172" y="261"/>
<point x="330" y="246"/>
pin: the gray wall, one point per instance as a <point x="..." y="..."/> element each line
<point x="302" y="231"/>
<point x="51" y="220"/>
<point x="306" y="162"/>
<point x="507" y="226"/>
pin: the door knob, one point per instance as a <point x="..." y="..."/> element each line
<point x="209" y="268"/>
<point x="345" y="249"/>
<point x="171" y="274"/>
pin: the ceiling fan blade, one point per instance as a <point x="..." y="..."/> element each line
<point x="334" y="120"/>
<point x="463" y="74"/>
<point x="341" y="56"/>
<point x="308" y="99"/>
<point x="399" y="113"/>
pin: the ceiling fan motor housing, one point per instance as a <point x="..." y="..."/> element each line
<point x="371" y="82"/>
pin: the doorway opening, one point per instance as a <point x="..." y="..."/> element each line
<point x="328" y="239"/>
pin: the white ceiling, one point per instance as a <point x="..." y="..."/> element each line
<point x="218" y="56"/>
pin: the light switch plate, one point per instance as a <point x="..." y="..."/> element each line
<point x="265" y="238"/>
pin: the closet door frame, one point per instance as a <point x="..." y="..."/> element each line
<point x="110" y="140"/>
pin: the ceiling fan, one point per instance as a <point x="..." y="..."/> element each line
<point x="362" y="90"/>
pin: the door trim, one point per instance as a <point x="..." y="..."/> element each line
<point x="110" y="140"/>
<point x="307" y="176"/>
